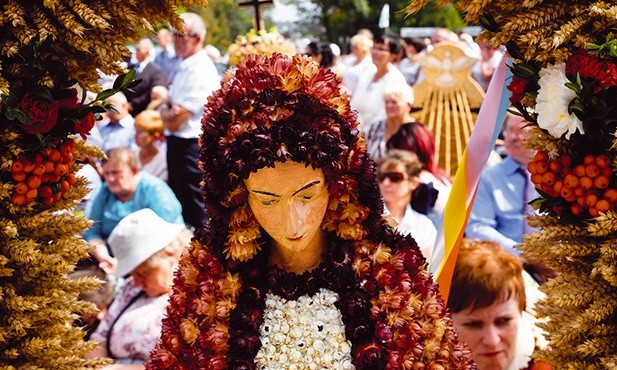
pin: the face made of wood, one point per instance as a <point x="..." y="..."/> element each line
<point x="289" y="201"/>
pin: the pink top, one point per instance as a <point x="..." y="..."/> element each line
<point x="138" y="329"/>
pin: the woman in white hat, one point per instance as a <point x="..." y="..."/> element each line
<point x="148" y="249"/>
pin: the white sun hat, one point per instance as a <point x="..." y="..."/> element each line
<point x="139" y="236"/>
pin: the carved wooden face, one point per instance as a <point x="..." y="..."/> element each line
<point x="289" y="201"/>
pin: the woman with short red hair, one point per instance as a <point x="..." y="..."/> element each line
<point x="487" y="301"/>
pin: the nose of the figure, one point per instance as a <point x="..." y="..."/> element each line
<point x="293" y="221"/>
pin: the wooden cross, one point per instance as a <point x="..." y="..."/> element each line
<point x="255" y="4"/>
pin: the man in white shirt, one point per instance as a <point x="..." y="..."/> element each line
<point x="194" y="81"/>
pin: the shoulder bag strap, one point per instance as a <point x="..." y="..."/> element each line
<point x="111" y="326"/>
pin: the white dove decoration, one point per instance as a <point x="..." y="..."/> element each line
<point x="447" y="100"/>
<point x="445" y="66"/>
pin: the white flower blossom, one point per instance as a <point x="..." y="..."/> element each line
<point x="305" y="334"/>
<point x="553" y="100"/>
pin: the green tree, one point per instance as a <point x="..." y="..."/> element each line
<point x="334" y="20"/>
<point x="329" y="19"/>
<point x="433" y="16"/>
<point x="224" y="21"/>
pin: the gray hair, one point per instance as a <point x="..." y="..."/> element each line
<point x="147" y="44"/>
<point x="362" y="41"/>
<point x="400" y="90"/>
<point x="195" y="23"/>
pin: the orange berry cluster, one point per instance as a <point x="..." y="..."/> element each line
<point x="43" y="175"/>
<point x="586" y="186"/>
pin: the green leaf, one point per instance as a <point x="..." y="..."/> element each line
<point x="43" y="142"/>
<point x="16" y="114"/>
<point x="487" y="21"/>
<point x="134" y="83"/>
<point x="613" y="50"/>
<point x="575" y="106"/>
<point x="42" y="92"/>
<point x="523" y="70"/>
<point x="104" y="95"/>
<point x="515" y="112"/>
<point x="592" y="47"/>
<point x="96" y="109"/>
<point x="10" y="114"/>
<point x="55" y="187"/>
<point x="117" y="83"/>
<point x="70" y="83"/>
<point x="84" y="95"/>
<point x="122" y="81"/>
<point x="128" y="77"/>
<point x="524" y="113"/>
<point x="111" y="108"/>
<point x="574" y="87"/>
<point x="514" y="50"/>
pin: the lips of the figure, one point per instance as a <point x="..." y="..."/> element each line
<point x="295" y="239"/>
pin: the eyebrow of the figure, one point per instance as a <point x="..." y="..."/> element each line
<point x="313" y="183"/>
<point x="307" y="186"/>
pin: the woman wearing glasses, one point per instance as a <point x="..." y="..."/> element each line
<point x="367" y="98"/>
<point x="418" y="138"/>
<point x="398" y="175"/>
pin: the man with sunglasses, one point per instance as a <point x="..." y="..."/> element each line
<point x="398" y="175"/>
<point x="194" y="81"/>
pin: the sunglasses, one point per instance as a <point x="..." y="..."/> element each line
<point x="394" y="177"/>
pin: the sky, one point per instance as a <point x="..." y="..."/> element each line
<point x="282" y="13"/>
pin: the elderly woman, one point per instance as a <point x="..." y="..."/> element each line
<point x="127" y="189"/>
<point x="148" y="249"/>
<point x="398" y="175"/>
<point x="487" y="301"/>
<point x="297" y="268"/>
<point x="398" y="100"/>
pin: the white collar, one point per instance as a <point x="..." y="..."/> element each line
<point x="525" y="343"/>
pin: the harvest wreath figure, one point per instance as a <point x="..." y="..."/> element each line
<point x="565" y="84"/>
<point x="297" y="267"/>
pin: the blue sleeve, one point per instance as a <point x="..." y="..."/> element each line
<point x="482" y="222"/>
<point x="96" y="215"/>
<point x="162" y="200"/>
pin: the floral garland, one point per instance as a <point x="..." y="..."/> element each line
<point x="50" y="53"/>
<point x="262" y="42"/>
<point x="565" y="83"/>
<point x="271" y="109"/>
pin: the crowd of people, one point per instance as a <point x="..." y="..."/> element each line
<point x="147" y="197"/>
